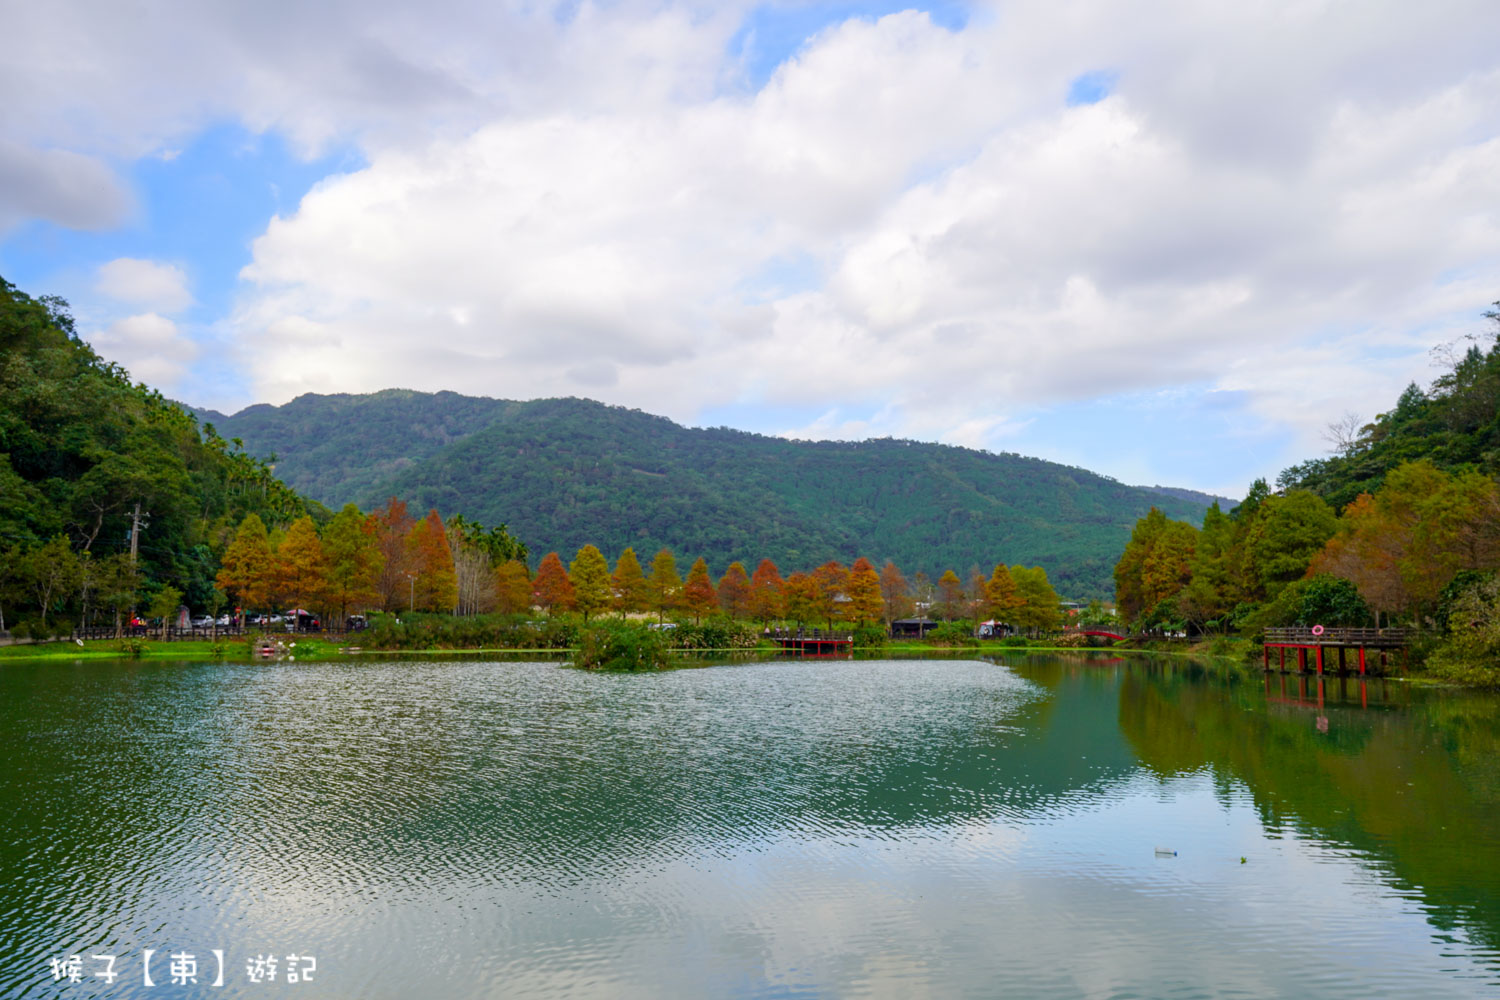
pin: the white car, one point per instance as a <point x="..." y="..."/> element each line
<point x="202" y="621"/>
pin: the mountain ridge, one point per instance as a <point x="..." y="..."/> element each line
<point x="568" y="471"/>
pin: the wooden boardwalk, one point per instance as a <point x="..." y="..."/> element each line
<point x="1317" y="640"/>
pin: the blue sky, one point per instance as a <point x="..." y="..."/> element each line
<point x="1169" y="245"/>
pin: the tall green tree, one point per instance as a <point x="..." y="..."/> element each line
<point x="592" y="588"/>
<point x="664" y="585"/>
<point x="354" y="561"/>
<point x="1040" y="609"/>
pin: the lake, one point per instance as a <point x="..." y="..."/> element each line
<point x="997" y="826"/>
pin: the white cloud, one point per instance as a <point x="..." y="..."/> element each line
<point x="69" y="188"/>
<point x="1289" y="202"/>
<point x="986" y="249"/>
<point x="145" y="283"/>
<point x="151" y="347"/>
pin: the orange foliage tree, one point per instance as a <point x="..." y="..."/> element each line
<point x="551" y="589"/>
<point x="430" y="561"/>
<point x="765" y="592"/>
<point x="865" y="599"/>
<point x="631" y="591"/>
<point x="248" y="566"/>
<point x="512" y="588"/>
<point x="801" y="598"/>
<point x="301" y="566"/>
<point x="734" y="591"/>
<point x="389" y="526"/>
<point x="698" y="594"/>
<point x="893" y="592"/>
<point x="950" y="595"/>
<point x="832" y="580"/>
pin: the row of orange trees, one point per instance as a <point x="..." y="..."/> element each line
<point x="391" y="560"/>
<point x="831" y="593"/>
<point x="388" y="559"/>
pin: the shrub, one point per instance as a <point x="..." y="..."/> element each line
<point x="1015" y="642"/>
<point x="869" y="636"/>
<point x="1471" y="653"/>
<point x="616" y="645"/>
<point x="953" y="634"/>
<point x="713" y="633"/>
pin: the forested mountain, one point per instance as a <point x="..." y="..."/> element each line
<point x="1454" y="423"/>
<point x="563" y="473"/>
<point x="82" y="448"/>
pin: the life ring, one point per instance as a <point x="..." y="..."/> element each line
<point x="1317" y="630"/>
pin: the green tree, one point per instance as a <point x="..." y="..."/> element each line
<point x="1040" y="609"/>
<point x="354" y="561"/>
<point x="165" y="604"/>
<point x="52" y="572"/>
<point x="664" y="585"/>
<point x="1283" y="536"/>
<point x="592" y="588"/>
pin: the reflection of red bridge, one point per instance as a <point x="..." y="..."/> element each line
<point x="1095" y="631"/>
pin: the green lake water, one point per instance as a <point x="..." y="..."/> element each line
<point x="928" y="827"/>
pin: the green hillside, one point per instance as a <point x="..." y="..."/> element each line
<point x="87" y="456"/>
<point x="1454" y="423"/>
<point x="565" y="472"/>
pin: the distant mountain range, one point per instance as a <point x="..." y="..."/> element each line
<point x="565" y="472"/>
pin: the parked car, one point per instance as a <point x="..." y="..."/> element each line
<point x="202" y="621"/>
<point x="301" y="621"/>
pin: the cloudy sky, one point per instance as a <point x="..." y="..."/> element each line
<point x="1169" y="240"/>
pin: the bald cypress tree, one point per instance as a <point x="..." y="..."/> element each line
<point x="592" y="588"/>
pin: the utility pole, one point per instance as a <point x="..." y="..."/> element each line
<point x="135" y="543"/>
<point x="135" y="533"/>
<point x="412" y="579"/>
